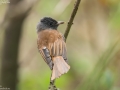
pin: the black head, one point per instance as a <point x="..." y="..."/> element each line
<point x="48" y="23"/>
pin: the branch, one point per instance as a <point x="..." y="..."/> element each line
<point x="12" y="23"/>
<point x="52" y="86"/>
<point x="71" y="18"/>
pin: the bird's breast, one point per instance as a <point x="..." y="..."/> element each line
<point x="47" y="36"/>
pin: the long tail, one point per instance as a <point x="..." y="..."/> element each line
<point x="60" y="67"/>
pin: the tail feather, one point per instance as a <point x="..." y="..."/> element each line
<point x="60" y="67"/>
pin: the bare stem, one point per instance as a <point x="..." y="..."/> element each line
<point x="71" y="18"/>
<point x="52" y="86"/>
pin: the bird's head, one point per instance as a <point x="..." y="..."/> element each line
<point x="48" y="23"/>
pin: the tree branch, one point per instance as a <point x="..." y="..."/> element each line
<point x="52" y="86"/>
<point x="12" y="23"/>
<point x="71" y="18"/>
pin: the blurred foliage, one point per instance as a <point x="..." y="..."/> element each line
<point x="100" y="78"/>
<point x="114" y="18"/>
<point x="93" y="53"/>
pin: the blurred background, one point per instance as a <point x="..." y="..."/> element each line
<point x="93" y="47"/>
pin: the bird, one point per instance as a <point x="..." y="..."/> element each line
<point x="52" y="47"/>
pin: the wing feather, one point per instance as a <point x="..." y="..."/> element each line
<point x="61" y="48"/>
<point x="55" y="47"/>
<point x="43" y="56"/>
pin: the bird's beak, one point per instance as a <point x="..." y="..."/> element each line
<point x="60" y="22"/>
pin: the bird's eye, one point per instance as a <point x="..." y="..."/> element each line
<point x="50" y="23"/>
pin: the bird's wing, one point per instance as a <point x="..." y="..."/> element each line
<point x="55" y="46"/>
<point x="65" y="51"/>
<point x="45" y="54"/>
<point x="58" y="47"/>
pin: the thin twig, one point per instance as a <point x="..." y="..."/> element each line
<point x="52" y="86"/>
<point x="71" y="18"/>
